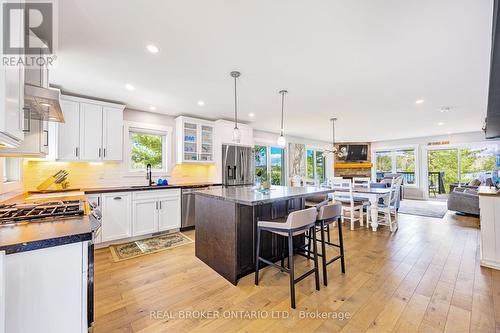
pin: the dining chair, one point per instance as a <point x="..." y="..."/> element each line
<point x="388" y="207"/>
<point x="344" y="194"/>
<point x="361" y="181"/>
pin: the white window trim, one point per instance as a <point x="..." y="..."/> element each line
<point x="154" y="129"/>
<point x="284" y="175"/>
<point x="315" y="149"/>
<point x="393" y="149"/>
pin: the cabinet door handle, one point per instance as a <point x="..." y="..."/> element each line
<point x="157" y="205"/>
<point x="28" y="128"/>
<point x="99" y="152"/>
<point x="117" y="198"/>
<point x="104" y="150"/>
<point x="46" y="133"/>
<point x="76" y="151"/>
<point x="160" y="204"/>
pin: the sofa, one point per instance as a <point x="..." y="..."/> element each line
<point x="464" y="200"/>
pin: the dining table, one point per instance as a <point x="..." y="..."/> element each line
<point x="373" y="195"/>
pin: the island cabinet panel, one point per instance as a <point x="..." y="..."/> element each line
<point x="226" y="234"/>
<point x="216" y="235"/>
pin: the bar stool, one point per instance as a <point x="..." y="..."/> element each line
<point x="327" y="215"/>
<point x="297" y="223"/>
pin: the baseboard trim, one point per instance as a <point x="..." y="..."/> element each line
<point x="490" y="264"/>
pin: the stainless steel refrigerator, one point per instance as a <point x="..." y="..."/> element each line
<point x="237" y="165"/>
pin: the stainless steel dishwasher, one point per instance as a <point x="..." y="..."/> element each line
<point x="188" y="206"/>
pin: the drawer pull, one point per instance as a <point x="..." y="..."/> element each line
<point x="117" y="198"/>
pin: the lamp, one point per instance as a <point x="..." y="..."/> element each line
<point x="281" y="139"/>
<point x="236" y="130"/>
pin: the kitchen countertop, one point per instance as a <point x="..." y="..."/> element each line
<point x="31" y="236"/>
<point x="487" y="190"/>
<point x="97" y="190"/>
<point x="247" y="196"/>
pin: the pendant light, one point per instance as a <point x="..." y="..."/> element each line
<point x="281" y="139"/>
<point x="340" y="153"/>
<point x="236" y="130"/>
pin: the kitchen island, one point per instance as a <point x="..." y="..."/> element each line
<point x="226" y="225"/>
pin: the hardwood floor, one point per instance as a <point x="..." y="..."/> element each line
<point x="424" y="278"/>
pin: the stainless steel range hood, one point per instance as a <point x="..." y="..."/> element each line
<point x="43" y="103"/>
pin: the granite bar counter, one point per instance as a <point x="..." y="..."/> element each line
<point x="226" y="225"/>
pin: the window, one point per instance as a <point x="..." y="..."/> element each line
<point x="11" y="170"/>
<point x="476" y="163"/>
<point x="270" y="162"/>
<point x="316" y="165"/>
<point x="397" y="161"/>
<point x="147" y="147"/>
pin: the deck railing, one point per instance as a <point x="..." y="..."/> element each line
<point x="436" y="180"/>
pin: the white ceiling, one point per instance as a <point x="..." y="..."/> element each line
<point x="363" y="61"/>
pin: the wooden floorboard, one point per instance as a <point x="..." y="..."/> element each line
<point x="423" y="278"/>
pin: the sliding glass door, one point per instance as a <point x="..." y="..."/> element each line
<point x="450" y="167"/>
<point x="443" y="171"/>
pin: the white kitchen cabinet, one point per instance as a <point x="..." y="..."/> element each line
<point x="69" y="132"/>
<point x="169" y="213"/>
<point x="225" y="133"/>
<point x="90" y="131"/>
<point x="94" y="132"/>
<point x="145" y="217"/>
<point x="489" y="206"/>
<point x="195" y="140"/>
<point x="95" y="199"/>
<point x="2" y="291"/>
<point x="45" y="290"/>
<point x="35" y="143"/>
<point x="155" y="211"/>
<point x="116" y="216"/>
<point x="12" y="91"/>
<point x="112" y="134"/>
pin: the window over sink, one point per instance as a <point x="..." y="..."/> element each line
<point x="147" y="144"/>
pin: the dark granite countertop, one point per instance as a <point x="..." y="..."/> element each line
<point x="30" y="236"/>
<point x="248" y="196"/>
<point x="97" y="190"/>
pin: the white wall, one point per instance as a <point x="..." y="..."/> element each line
<point x="422" y="145"/>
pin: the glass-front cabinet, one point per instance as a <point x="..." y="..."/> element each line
<point x="195" y="140"/>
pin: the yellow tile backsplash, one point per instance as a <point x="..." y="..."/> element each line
<point x="87" y="175"/>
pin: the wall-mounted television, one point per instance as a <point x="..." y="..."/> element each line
<point x="355" y="153"/>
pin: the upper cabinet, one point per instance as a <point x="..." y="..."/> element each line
<point x="195" y="140"/>
<point x="93" y="131"/>
<point x="225" y="133"/>
<point x="12" y="96"/>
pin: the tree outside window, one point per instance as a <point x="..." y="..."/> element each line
<point x="147" y="148"/>
<point x="316" y="166"/>
<point x="270" y="163"/>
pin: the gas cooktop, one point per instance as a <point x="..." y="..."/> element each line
<point x="18" y="213"/>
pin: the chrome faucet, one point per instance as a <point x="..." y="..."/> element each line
<point x="149" y="175"/>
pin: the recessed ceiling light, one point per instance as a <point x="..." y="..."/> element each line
<point x="129" y="87"/>
<point x="201" y="103"/>
<point x="45" y="104"/>
<point x="440" y="123"/>
<point x="251" y="115"/>
<point x="152" y="108"/>
<point x="419" y="101"/>
<point x="153" y="48"/>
